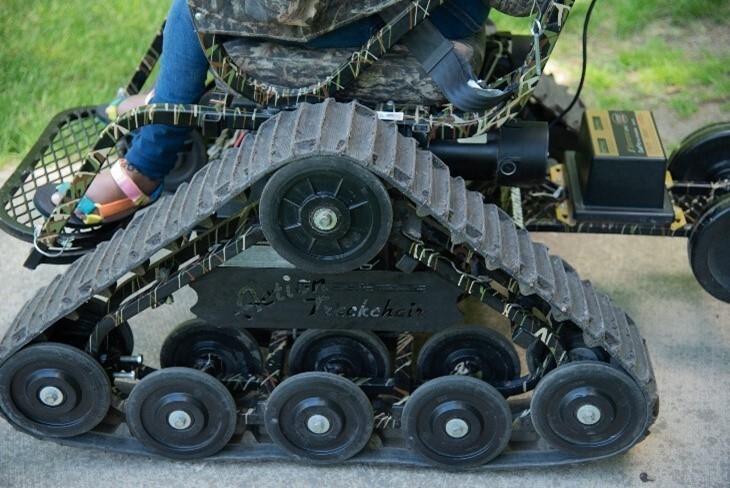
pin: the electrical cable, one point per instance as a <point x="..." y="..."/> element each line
<point x="583" y="69"/>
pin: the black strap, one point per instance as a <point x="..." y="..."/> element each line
<point x="451" y="72"/>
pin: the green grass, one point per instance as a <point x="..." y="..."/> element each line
<point x="56" y="54"/>
<point x="639" y="57"/>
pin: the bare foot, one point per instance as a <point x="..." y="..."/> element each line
<point x="105" y="190"/>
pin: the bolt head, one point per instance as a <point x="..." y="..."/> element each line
<point x="588" y="414"/>
<point x="179" y="420"/>
<point x="324" y="219"/>
<point x="51" y="396"/>
<point x="318" y="424"/>
<point x="457" y="428"/>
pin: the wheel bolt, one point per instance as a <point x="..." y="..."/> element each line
<point x="51" y="396"/>
<point x="324" y="219"/>
<point x="318" y="424"/>
<point x="457" y="428"/>
<point x="588" y="414"/>
<point x="179" y="420"/>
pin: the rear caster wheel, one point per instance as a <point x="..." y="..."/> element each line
<point x="320" y="417"/>
<point x="326" y="215"/>
<point x="473" y="351"/>
<point x="218" y="351"/>
<point x="589" y="409"/>
<point x="703" y="156"/>
<point x="349" y="353"/>
<point x="457" y="421"/>
<point x="181" y="413"/>
<point x="54" y="390"/>
<point x="708" y="251"/>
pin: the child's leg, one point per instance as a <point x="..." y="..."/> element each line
<point x="181" y="80"/>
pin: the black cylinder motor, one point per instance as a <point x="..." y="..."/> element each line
<point x="514" y="155"/>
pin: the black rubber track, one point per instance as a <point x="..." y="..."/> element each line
<point x="354" y="133"/>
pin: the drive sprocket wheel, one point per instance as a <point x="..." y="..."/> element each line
<point x="182" y="413"/>
<point x="589" y="409"/>
<point x="350" y="353"/>
<point x="320" y="417"/>
<point x="457" y="421"/>
<point x="326" y="214"/>
<point x="219" y="351"/>
<point x="54" y="390"/>
<point x="469" y="350"/>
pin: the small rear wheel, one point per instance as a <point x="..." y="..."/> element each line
<point x="457" y="421"/>
<point x="703" y="156"/>
<point x="181" y="413"/>
<point x="321" y="417"/>
<point x="55" y="390"/>
<point x="589" y="409"/>
<point x="708" y="250"/>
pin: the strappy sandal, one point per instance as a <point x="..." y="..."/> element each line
<point x="95" y="214"/>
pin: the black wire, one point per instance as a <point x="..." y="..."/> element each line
<point x="583" y="70"/>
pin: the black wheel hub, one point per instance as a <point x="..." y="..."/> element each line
<point x="586" y="413"/>
<point x="214" y="350"/>
<point x="469" y="351"/>
<point x="326" y="215"/>
<point x="318" y="422"/>
<point x="175" y="417"/>
<point x="320" y="216"/>
<point x="344" y="360"/>
<point x="349" y="353"/>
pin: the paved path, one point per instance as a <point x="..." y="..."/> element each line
<point x="688" y="333"/>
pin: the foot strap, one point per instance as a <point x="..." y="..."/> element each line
<point x="134" y="198"/>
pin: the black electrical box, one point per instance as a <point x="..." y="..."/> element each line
<point x="620" y="168"/>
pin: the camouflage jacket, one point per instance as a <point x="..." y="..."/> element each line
<point x="302" y="20"/>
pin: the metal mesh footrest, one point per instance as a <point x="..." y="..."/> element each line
<point x="55" y="157"/>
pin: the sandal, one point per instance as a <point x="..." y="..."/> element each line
<point x="89" y="213"/>
<point x="111" y="111"/>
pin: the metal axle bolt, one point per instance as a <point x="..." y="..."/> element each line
<point x="457" y="428"/>
<point x="179" y="420"/>
<point x="588" y="414"/>
<point x="51" y="396"/>
<point x="318" y="424"/>
<point x="131" y="359"/>
<point x="324" y="219"/>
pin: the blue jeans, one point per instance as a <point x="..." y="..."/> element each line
<point x="181" y="80"/>
<point x="184" y="69"/>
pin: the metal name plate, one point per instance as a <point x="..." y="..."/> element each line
<point x="289" y="298"/>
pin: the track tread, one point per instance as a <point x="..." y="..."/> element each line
<point x="545" y="276"/>
<point x="528" y="263"/>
